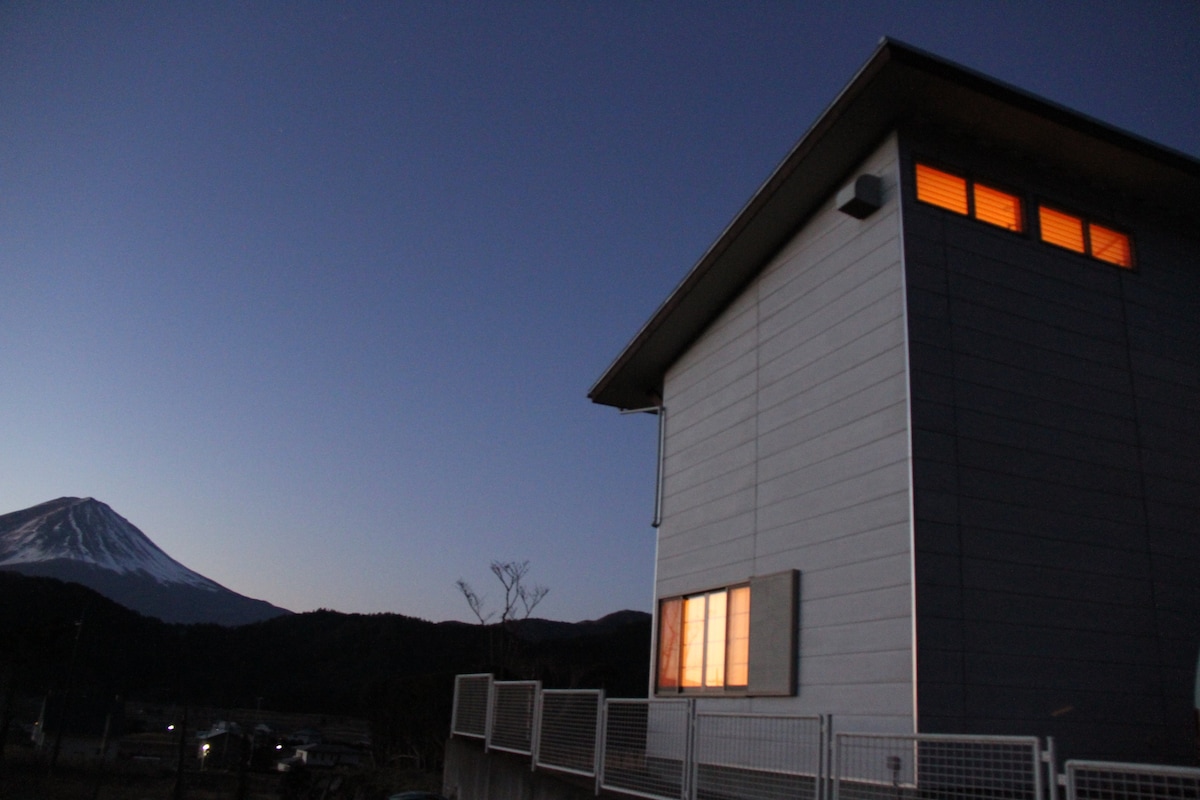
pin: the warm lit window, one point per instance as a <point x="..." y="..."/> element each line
<point x="737" y="657"/>
<point x="984" y="203"/>
<point x="704" y="640"/>
<point x="1109" y="245"/>
<point x="670" y="621"/>
<point x="941" y="189"/>
<point x="997" y="208"/>
<point x="1061" y="229"/>
<point x="719" y="640"/>
<point x="1080" y="236"/>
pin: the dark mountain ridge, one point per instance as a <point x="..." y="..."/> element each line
<point x="318" y="661"/>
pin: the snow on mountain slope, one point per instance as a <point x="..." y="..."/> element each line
<point x="84" y="541"/>
<point x="88" y="531"/>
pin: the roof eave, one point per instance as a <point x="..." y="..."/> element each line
<point x="898" y="82"/>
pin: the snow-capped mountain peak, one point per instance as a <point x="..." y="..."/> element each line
<point x="87" y="531"/>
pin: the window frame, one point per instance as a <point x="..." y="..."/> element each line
<point x="768" y="638"/>
<point x="971" y="185"/>
<point x="1086" y="223"/>
<point x="675" y="623"/>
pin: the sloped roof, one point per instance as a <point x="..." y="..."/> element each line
<point x="898" y="84"/>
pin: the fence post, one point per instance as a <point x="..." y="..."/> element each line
<point x="601" y="742"/>
<point x="598" y="750"/>
<point x="825" y="759"/>
<point x="688" y="779"/>
<point x="1050" y="757"/>
<point x="535" y="736"/>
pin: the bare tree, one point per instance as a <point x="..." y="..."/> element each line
<point x="519" y="601"/>
<point x="474" y="601"/>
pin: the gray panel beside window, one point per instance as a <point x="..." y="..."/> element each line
<point x="773" y="626"/>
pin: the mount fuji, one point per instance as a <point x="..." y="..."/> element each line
<point x="82" y="540"/>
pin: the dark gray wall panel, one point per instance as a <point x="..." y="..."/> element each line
<point x="1056" y="421"/>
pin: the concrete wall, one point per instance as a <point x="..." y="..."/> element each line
<point x="470" y="773"/>
<point x="1056" y="418"/>
<point x="787" y="448"/>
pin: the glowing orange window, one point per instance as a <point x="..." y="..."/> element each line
<point x="1061" y="229"/>
<point x="997" y="208"/>
<point x="670" y="620"/>
<point x="692" y="661"/>
<point x="941" y="189"/>
<point x="737" y="665"/>
<point x="1109" y="245"/>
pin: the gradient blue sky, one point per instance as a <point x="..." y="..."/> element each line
<point x="313" y="293"/>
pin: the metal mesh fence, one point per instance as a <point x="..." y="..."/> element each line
<point x="514" y="709"/>
<point x="663" y="750"/>
<point x="569" y="729"/>
<point x="757" y="757"/>
<point x="646" y="744"/>
<point x="472" y="695"/>
<point x="1100" y="780"/>
<point x="901" y="767"/>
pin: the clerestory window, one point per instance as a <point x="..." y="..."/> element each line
<point x="1083" y="236"/>
<point x="969" y="198"/>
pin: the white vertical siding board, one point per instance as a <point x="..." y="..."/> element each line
<point x="845" y="494"/>
<point x="870" y="276"/>
<point x="714" y="347"/>
<point x="713" y="377"/>
<point x="801" y="452"/>
<point x="855" y="395"/>
<point x="719" y="508"/>
<point x="831" y="553"/>
<point x="685" y="453"/>
<point x="835" y="324"/>
<point x="787" y="449"/>
<point x="794" y="478"/>
<point x="738" y="459"/>
<point x="857" y="637"/>
<point x="720" y="486"/>
<point x="739" y="529"/>
<point x="876" y="665"/>
<point x="787" y="377"/>
<point x="734" y="403"/>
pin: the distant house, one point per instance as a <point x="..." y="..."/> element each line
<point x="930" y="410"/>
<point x="79" y="726"/>
<point x="328" y="756"/>
<point x="222" y="747"/>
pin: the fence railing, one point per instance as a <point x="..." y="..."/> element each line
<point x="646" y="747"/>
<point x="472" y="704"/>
<point x="1103" y="780"/>
<point x="514" y="710"/>
<point x="667" y="750"/>
<point x="569" y="731"/>
<point x="758" y="756"/>
<point x="883" y="767"/>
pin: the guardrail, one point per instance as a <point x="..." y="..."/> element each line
<point x="1104" y="780"/>
<point x="668" y="750"/>
<point x="570" y="728"/>
<point x="936" y="766"/>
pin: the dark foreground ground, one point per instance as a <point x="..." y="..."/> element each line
<point x="24" y="778"/>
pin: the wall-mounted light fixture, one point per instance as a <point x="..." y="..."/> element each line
<point x="861" y="198"/>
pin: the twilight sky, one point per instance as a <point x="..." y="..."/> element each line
<point x="313" y="293"/>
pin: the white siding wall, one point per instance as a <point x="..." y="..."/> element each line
<point x="787" y="448"/>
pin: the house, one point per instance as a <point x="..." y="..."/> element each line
<point x="78" y="727"/>
<point x="328" y="756"/>
<point x="929" y="412"/>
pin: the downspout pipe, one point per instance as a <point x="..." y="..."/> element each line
<point x="661" y="411"/>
